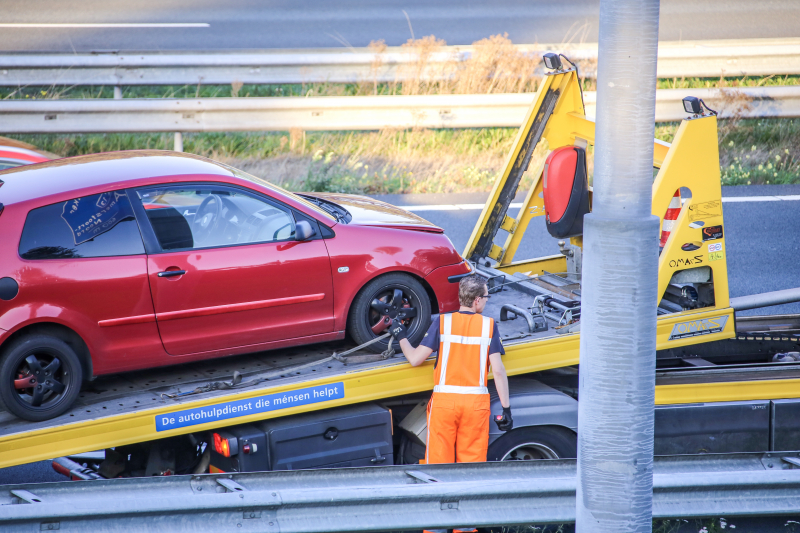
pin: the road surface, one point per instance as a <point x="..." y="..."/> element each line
<point x="255" y="24"/>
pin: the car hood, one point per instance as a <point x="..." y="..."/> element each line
<point x="370" y="212"/>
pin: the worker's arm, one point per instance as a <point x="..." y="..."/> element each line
<point x="416" y="356"/>
<point x="500" y="378"/>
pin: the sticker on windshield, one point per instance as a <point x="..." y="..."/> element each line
<point x="94" y="215"/>
<point x="251" y="406"/>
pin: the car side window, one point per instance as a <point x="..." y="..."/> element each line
<point x="207" y="216"/>
<point x="101" y="225"/>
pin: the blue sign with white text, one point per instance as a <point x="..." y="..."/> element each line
<point x="259" y="404"/>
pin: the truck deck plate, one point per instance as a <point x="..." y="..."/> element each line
<point x="123" y="409"/>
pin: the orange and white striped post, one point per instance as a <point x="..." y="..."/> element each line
<point x="670" y="217"/>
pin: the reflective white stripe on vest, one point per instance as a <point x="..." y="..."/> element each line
<point x="486" y="340"/>
<point x="446" y="338"/>
<point x="453" y="389"/>
<point x="459" y="339"/>
<point x="445" y="344"/>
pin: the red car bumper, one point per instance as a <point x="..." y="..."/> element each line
<point x="447" y="291"/>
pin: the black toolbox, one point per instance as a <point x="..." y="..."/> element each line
<point x="359" y="435"/>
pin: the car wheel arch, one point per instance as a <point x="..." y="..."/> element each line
<point x="428" y="289"/>
<point x="59" y="331"/>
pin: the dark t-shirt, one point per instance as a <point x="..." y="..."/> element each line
<point x="431" y="338"/>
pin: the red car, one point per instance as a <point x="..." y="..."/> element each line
<point x="14" y="153"/>
<point x="131" y="260"/>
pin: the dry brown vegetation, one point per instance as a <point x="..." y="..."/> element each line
<point x="386" y="161"/>
<point x="492" y="65"/>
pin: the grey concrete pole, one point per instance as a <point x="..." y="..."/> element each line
<point x="620" y="275"/>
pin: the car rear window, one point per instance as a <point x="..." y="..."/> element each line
<point x="101" y="225"/>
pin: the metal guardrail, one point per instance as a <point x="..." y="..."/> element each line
<point x="344" y="113"/>
<point x="753" y="57"/>
<point x="394" y="498"/>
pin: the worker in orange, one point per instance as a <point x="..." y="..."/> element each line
<point x="467" y="344"/>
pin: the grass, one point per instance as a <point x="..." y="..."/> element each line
<point x="752" y="151"/>
<point x="387" y="161"/>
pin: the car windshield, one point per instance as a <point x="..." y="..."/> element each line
<point x="249" y="177"/>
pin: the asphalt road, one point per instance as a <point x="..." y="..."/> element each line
<point x="762" y="242"/>
<point x="254" y="24"/>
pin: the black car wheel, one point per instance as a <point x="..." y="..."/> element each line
<point x="534" y="442"/>
<point x="40" y="377"/>
<point x="384" y="298"/>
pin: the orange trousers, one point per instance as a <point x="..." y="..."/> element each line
<point x="458" y="428"/>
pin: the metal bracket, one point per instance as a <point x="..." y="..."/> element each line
<point x="422" y="476"/>
<point x="268" y="519"/>
<point x="444" y="505"/>
<point x="27" y="497"/>
<point x="451" y="505"/>
<point x="574" y="255"/>
<point x="494" y="284"/>
<point x="230" y="485"/>
<point x="778" y="461"/>
<point x="794" y="461"/>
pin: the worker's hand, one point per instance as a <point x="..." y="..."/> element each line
<point x="398" y="330"/>
<point x="504" y="422"/>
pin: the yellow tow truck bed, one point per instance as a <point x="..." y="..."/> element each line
<point x="693" y="327"/>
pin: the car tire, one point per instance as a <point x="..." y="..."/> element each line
<point x="61" y="380"/>
<point x="363" y="317"/>
<point x="534" y="442"/>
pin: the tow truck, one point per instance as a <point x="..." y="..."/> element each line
<point x="724" y="383"/>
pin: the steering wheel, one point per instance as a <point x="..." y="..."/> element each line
<point x="207" y="219"/>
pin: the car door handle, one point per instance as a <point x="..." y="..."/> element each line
<point x="171" y="273"/>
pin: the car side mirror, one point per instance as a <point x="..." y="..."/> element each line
<point x="303" y="231"/>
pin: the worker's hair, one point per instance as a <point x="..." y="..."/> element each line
<point x="470" y="288"/>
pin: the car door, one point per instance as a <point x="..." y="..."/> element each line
<point x="228" y="271"/>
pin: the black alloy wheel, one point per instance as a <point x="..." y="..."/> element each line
<point x="395" y="295"/>
<point x="40" y="377"/>
<point x="532" y="443"/>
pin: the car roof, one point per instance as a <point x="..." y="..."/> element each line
<point x="61" y="176"/>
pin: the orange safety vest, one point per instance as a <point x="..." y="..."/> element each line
<point x="463" y="354"/>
